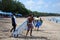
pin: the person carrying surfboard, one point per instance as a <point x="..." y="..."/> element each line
<point x="29" y="24"/>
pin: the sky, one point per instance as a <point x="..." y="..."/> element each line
<point x="49" y="6"/>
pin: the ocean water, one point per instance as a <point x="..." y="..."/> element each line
<point x="58" y="19"/>
<point x="54" y="19"/>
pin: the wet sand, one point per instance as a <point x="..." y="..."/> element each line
<point x="48" y="30"/>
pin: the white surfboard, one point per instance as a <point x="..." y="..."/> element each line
<point x="20" y="29"/>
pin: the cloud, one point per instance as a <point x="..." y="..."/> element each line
<point x="56" y="5"/>
<point x="42" y="5"/>
<point x="35" y="5"/>
<point x="29" y="4"/>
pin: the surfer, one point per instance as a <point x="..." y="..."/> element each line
<point x="29" y="24"/>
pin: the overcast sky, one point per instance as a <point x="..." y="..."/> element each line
<point x="52" y="6"/>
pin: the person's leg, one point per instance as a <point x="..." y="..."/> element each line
<point x="11" y="29"/>
<point x="27" y="32"/>
<point x="37" y="28"/>
<point x="14" y="28"/>
<point x="31" y="31"/>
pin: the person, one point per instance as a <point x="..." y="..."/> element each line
<point x="29" y="24"/>
<point x="38" y="23"/>
<point x="13" y="22"/>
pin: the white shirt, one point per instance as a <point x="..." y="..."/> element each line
<point x="36" y="18"/>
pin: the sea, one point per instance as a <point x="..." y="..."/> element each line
<point x="54" y="19"/>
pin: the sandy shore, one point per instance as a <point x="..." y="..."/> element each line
<point x="48" y="31"/>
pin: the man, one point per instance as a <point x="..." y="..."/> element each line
<point x="13" y="22"/>
<point x="38" y="22"/>
<point x="29" y="24"/>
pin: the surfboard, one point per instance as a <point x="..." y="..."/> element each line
<point x="20" y="29"/>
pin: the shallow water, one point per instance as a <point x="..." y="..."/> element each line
<point x="54" y="19"/>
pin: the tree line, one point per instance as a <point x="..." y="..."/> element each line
<point x="17" y="7"/>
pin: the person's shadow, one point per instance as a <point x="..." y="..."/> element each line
<point x="32" y="37"/>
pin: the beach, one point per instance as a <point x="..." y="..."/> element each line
<point x="48" y="30"/>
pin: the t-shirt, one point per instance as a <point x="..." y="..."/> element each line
<point x="36" y="18"/>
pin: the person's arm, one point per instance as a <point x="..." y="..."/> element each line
<point x="33" y="22"/>
<point x="41" y="20"/>
<point x="27" y="21"/>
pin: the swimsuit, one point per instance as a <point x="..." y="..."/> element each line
<point x="30" y="25"/>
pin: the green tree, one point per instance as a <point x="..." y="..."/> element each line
<point x="0" y="5"/>
<point x="14" y="6"/>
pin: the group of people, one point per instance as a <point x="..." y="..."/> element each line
<point x="30" y="21"/>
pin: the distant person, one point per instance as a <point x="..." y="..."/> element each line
<point x="13" y="22"/>
<point x="29" y="24"/>
<point x="38" y="22"/>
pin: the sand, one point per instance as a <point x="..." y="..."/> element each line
<point x="48" y="30"/>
